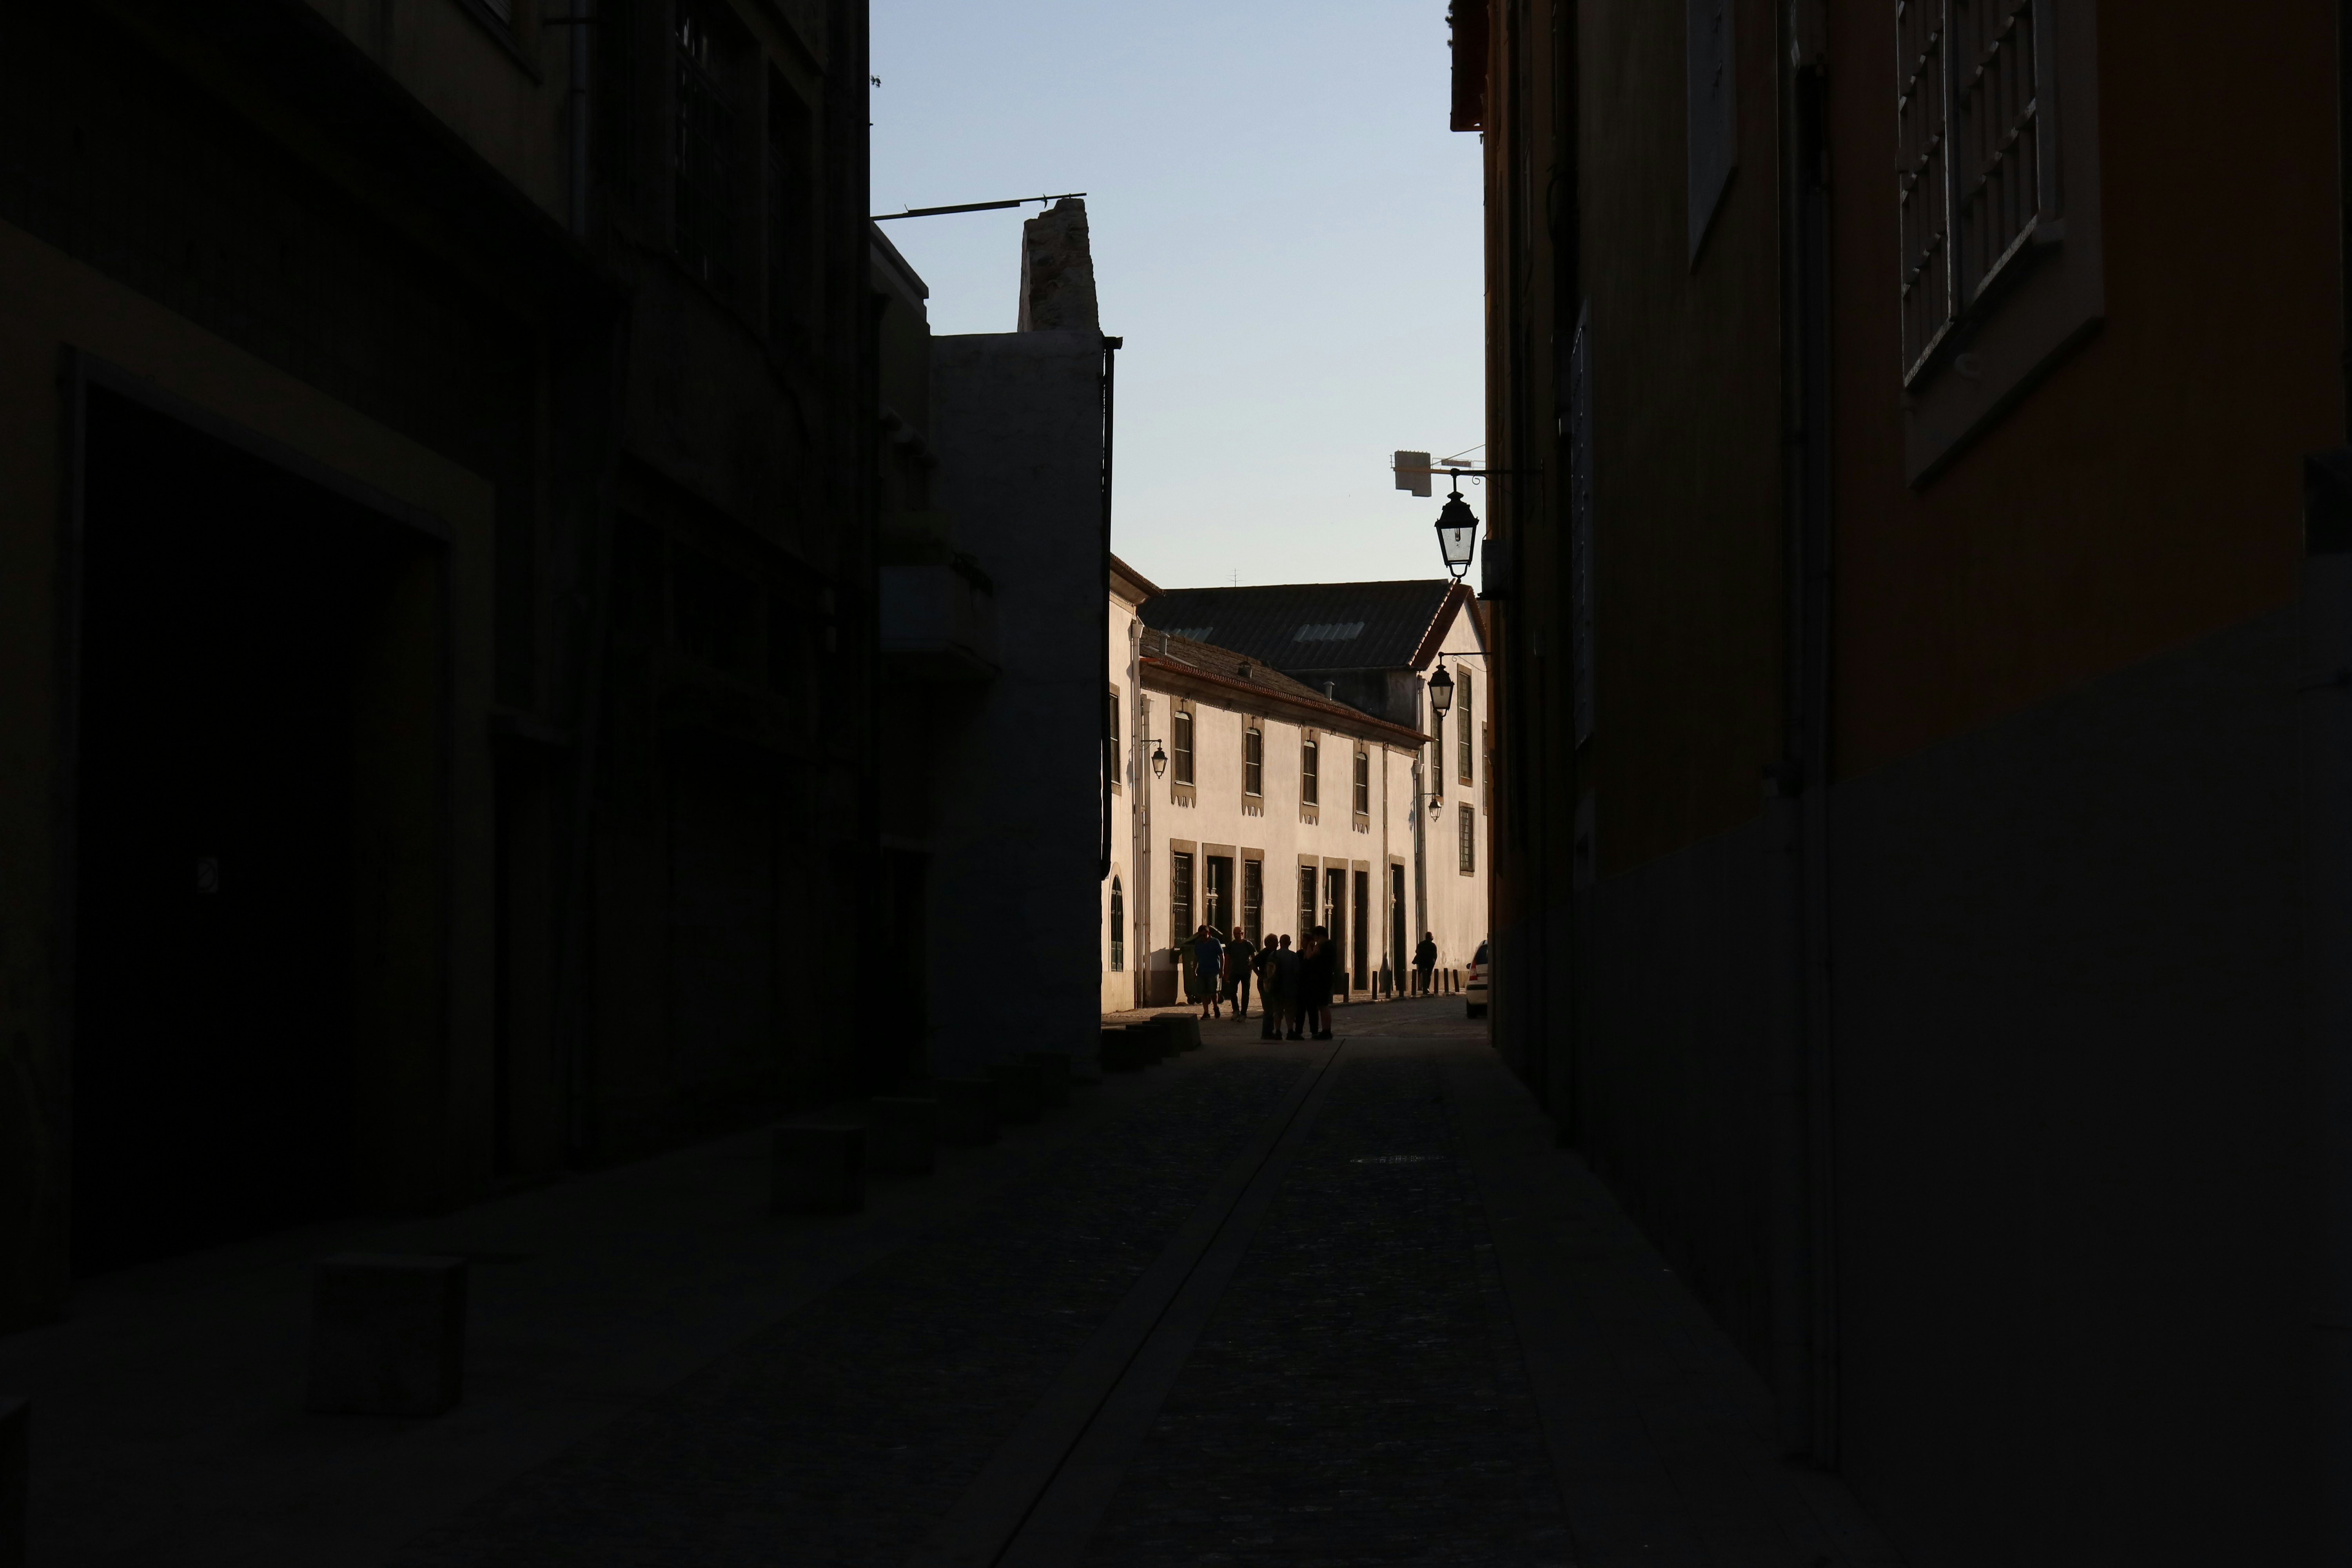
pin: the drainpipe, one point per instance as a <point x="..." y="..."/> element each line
<point x="580" y="21"/>
<point x="2325" y="719"/>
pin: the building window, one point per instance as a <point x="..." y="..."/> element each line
<point x="1437" y="748"/>
<point x="1179" y="898"/>
<point x="1998" y="275"/>
<point x="1363" y="782"/>
<point x="1306" y="903"/>
<point x="1113" y="769"/>
<point x="1308" y="784"/>
<point x="1253" y="899"/>
<point x="703" y="162"/>
<point x="789" y="206"/>
<point x="1469" y="840"/>
<point x="1180" y="747"/>
<point x="1117" y="927"/>
<point x="1253" y="760"/>
<point x="1463" y="744"/>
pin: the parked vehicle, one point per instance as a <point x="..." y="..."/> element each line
<point x="1473" y="989"/>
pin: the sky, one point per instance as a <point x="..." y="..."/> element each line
<point x="1285" y="232"/>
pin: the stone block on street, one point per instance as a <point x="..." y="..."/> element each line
<point x="1184" y="1029"/>
<point x="1016" y="1091"/>
<point x="16" y="1465"/>
<point x="1124" y="1049"/>
<point x="901" y="1136"/>
<point x="1054" y="1077"/>
<point x="967" y="1109"/>
<point x="819" y="1168"/>
<point x="387" y="1335"/>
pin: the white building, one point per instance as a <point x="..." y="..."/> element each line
<point x="1305" y="780"/>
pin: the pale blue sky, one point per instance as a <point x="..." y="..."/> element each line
<point x="1285" y="232"/>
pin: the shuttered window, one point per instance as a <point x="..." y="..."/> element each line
<point x="1976" y="164"/>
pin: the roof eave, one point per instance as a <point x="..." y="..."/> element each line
<point x="1175" y="676"/>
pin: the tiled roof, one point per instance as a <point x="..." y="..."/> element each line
<point x="1305" y="626"/>
<point x="1181" y="655"/>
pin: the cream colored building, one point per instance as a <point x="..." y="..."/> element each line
<point x="1259" y="798"/>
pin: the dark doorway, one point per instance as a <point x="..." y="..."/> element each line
<point x="1334" y="922"/>
<point x="223" y="603"/>
<point x="1218" y="893"/>
<point x="1363" y="930"/>
<point x="1396" y="926"/>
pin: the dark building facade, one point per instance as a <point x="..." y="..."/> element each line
<point x="1918" y="891"/>
<point x="435" y="535"/>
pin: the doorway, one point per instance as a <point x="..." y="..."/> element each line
<point x="1396" y="926"/>
<point x="234" y="667"/>
<point x="1363" y="931"/>
<point x="1218" y="893"/>
<point x="1334" y="922"/>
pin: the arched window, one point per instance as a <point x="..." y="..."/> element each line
<point x="1309" y="785"/>
<point x="1253" y="760"/>
<point x="1181" y="749"/>
<point x="1117" y="927"/>
<point x="1363" y="782"/>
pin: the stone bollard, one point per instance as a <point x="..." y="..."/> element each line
<point x="899" y="1136"/>
<point x="1158" y="1039"/>
<point x="1123" y="1049"/>
<point x="387" y="1335"/>
<point x="967" y="1109"/>
<point x="819" y="1167"/>
<point x="15" y="1479"/>
<point x="1184" y="1031"/>
<point x="1054" y="1077"/>
<point x="1017" y="1096"/>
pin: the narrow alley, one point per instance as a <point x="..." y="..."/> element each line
<point x="1263" y="1303"/>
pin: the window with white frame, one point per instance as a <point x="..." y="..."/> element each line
<point x="1363" y="782"/>
<point x="1463" y="739"/>
<point x="1309" y="784"/>
<point x="1469" y="819"/>
<point x="1180" y="744"/>
<point x="1252" y="759"/>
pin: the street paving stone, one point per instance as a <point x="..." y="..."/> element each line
<point x="1359" y="1396"/>
<point x="839" y="1435"/>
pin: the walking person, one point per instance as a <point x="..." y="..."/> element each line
<point x="1239" y="953"/>
<point x="1424" y="960"/>
<point x="1209" y="963"/>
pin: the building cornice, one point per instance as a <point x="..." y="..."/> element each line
<point x="1164" y="675"/>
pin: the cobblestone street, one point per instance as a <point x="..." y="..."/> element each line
<point x="1257" y="1305"/>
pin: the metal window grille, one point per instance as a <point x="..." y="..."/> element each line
<point x="1181" y="748"/>
<point x="1117" y="927"/>
<point x="1363" y="784"/>
<point x="704" y="159"/>
<point x="1309" y="786"/>
<point x="1463" y="741"/>
<point x="1437" y="750"/>
<point x="1253" y="901"/>
<point x="1469" y="819"/>
<point x="1305" y="902"/>
<point x="1179" y="897"/>
<point x="1253" y="760"/>
<point x="1975" y="160"/>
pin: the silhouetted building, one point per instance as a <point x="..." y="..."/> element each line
<point x="1902" y="893"/>
<point x="436" y="535"/>
<point x="996" y="813"/>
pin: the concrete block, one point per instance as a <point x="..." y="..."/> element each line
<point x="1151" y="1041"/>
<point x="1184" y="1029"/>
<point x="1016" y="1091"/>
<point x="967" y="1109"/>
<point x="1125" y="1050"/>
<point x="901" y="1136"/>
<point x="819" y="1168"/>
<point x="387" y="1333"/>
<point x="1055" y="1077"/>
<point x="15" y="1477"/>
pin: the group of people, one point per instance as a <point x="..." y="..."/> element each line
<point x="1294" y="987"/>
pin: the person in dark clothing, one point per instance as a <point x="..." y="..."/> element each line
<point x="1268" y="967"/>
<point x="1316" y="976"/>
<point x="1289" y="981"/>
<point x="1239" y="952"/>
<point x="1209" y="963"/>
<point x="1424" y="960"/>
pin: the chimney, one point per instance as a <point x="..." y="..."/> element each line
<point x="1057" y="271"/>
<point x="1330" y="691"/>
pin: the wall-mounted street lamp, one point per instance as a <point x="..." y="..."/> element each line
<point x="1457" y="535"/>
<point x="1159" y="761"/>
<point x="1441" y="692"/>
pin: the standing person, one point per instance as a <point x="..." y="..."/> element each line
<point x="1425" y="959"/>
<point x="1290" y="980"/>
<point x="1315" y="984"/>
<point x="1209" y="962"/>
<point x="1269" y="965"/>
<point x="1239" y="952"/>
